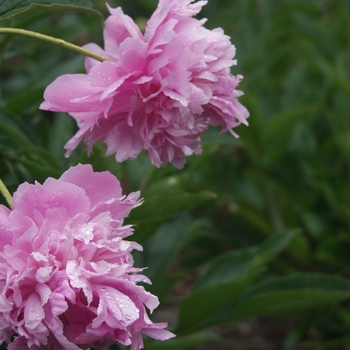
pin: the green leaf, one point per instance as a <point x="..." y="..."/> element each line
<point x="63" y="128"/>
<point x="8" y="5"/>
<point x="255" y="218"/>
<point x="10" y="131"/>
<point x="277" y="133"/>
<point x="234" y="264"/>
<point x="40" y="171"/>
<point x="226" y="277"/>
<point x="160" y="207"/>
<point x="282" y="123"/>
<point x="24" y="100"/>
<point x="26" y="7"/>
<point x="335" y="251"/>
<point x="162" y="248"/>
<point x="169" y="184"/>
<point x="201" y="305"/>
<point x="287" y="295"/>
<point x="214" y="137"/>
<point x="86" y="3"/>
<point x="43" y="156"/>
<point x="183" y="342"/>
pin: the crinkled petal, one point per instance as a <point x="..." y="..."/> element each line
<point x="99" y="187"/>
<point x="73" y="93"/>
<point x="176" y="65"/>
<point x="66" y="271"/>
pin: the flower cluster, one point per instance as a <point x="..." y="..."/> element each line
<point x="158" y="91"/>
<point x="67" y="279"/>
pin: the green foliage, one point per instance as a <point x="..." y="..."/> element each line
<point x="161" y="206"/>
<point x="226" y="277"/>
<point x="28" y="7"/>
<point x="253" y="226"/>
<point x="12" y="8"/>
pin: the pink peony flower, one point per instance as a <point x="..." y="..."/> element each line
<point x="159" y="92"/>
<point x="67" y="279"/>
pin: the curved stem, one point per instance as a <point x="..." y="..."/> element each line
<point x="55" y="41"/>
<point x="5" y="192"/>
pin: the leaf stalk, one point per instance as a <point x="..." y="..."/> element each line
<point x="5" y="192"/>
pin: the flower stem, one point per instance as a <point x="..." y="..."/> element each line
<point x="55" y="41"/>
<point x="5" y="192"/>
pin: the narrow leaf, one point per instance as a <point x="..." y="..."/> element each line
<point x="226" y="277"/>
<point x="8" y="5"/>
<point x="26" y="8"/>
<point x="183" y="342"/>
<point x="163" y="206"/>
<point x="160" y="207"/>
<point x="287" y="295"/>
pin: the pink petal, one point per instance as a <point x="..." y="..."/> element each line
<point x="33" y="311"/>
<point x="99" y="187"/>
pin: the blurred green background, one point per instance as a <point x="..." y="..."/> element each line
<point x="248" y="246"/>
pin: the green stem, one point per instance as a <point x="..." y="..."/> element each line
<point x="55" y="41"/>
<point x="5" y="192"/>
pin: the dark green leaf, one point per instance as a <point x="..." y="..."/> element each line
<point x="8" y="5"/>
<point x="10" y="131"/>
<point x="40" y="171"/>
<point x="335" y="250"/>
<point x="24" y="100"/>
<point x="160" y="207"/>
<point x="226" y="277"/>
<point x="183" y="342"/>
<point x="161" y="249"/>
<point x="287" y="295"/>
<point x="62" y="130"/>
<point x="26" y="7"/>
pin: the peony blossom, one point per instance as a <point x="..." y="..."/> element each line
<point x="158" y="91"/>
<point x="66" y="271"/>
